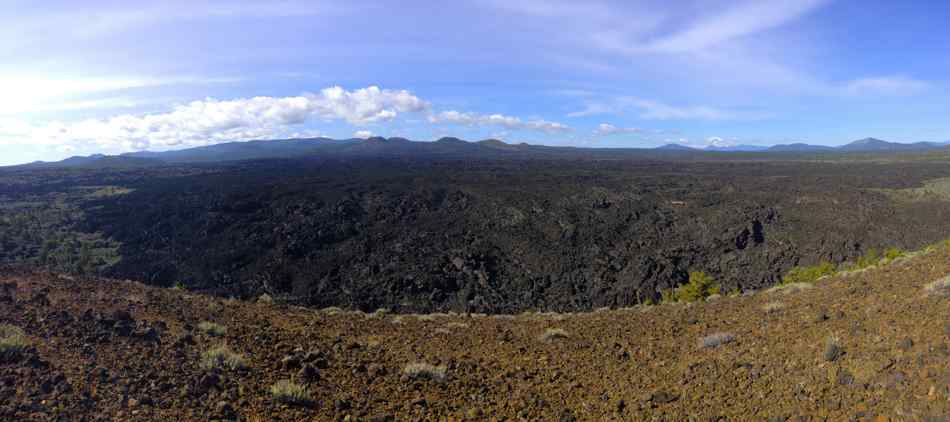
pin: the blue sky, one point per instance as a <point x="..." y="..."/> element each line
<point x="112" y="76"/>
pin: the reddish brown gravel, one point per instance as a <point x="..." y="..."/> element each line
<point x="869" y="346"/>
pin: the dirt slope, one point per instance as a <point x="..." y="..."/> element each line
<point x="112" y="350"/>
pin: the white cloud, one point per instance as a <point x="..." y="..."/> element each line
<point x="889" y="85"/>
<point x="212" y="121"/>
<point x="499" y="120"/>
<point x="607" y="129"/>
<point x="363" y="134"/>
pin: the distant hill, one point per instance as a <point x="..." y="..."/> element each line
<point x="874" y="144"/>
<point x="96" y="161"/>
<point x="444" y="147"/>
<point x="675" y="147"/>
<point x="251" y="150"/>
<point x="799" y="147"/>
<point x="736" y="148"/>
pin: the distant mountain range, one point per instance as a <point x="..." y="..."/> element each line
<point x="445" y="147"/>
<point x="863" y="145"/>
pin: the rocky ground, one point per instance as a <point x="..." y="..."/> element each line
<point x="873" y="345"/>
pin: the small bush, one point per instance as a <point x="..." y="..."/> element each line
<point x="869" y="259"/>
<point x="265" y="299"/>
<point x="212" y="329"/>
<point x="554" y="334"/>
<point x="808" y="274"/>
<point x="773" y="307"/>
<point x="425" y="371"/>
<point x="893" y="253"/>
<point x="221" y="357"/>
<point x="716" y="340"/>
<point x="286" y="391"/>
<point x="12" y="342"/>
<point x="699" y="287"/>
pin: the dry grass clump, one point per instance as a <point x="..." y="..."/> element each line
<point x="333" y="310"/>
<point x="221" y="357"/>
<point x="503" y="317"/>
<point x="716" y="340"/>
<point x="425" y="371"/>
<point x="603" y="309"/>
<point x="212" y="329"/>
<point x="790" y="288"/>
<point x="457" y="325"/>
<point x="426" y="317"/>
<point x="265" y="299"/>
<point x="12" y="341"/>
<point x="397" y="320"/>
<point x="286" y="391"/>
<point x="379" y="313"/>
<point x="940" y="287"/>
<point x="552" y="335"/>
<point x="714" y="297"/>
<point x="773" y="307"/>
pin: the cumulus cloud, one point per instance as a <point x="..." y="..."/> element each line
<point x="607" y="129"/>
<point x="212" y="121"/>
<point x="498" y="120"/>
<point x="889" y="85"/>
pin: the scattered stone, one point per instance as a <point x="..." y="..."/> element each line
<point x="567" y="416"/>
<point x="342" y="405"/>
<point x="291" y="362"/>
<point x="663" y="397"/>
<point x="905" y="344"/>
<point x="833" y="351"/>
<point x="224" y="410"/>
<point x="308" y="373"/>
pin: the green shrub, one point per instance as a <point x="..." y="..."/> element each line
<point x="700" y="287"/>
<point x="893" y="253"/>
<point x="871" y="257"/>
<point x="808" y="274"/>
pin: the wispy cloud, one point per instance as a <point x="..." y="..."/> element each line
<point x="744" y="19"/>
<point x="607" y="129"/>
<point x="889" y="85"/>
<point x="28" y="94"/>
<point x="498" y="120"/>
<point x="655" y="110"/>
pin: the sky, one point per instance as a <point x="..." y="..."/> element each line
<point x="111" y="77"/>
